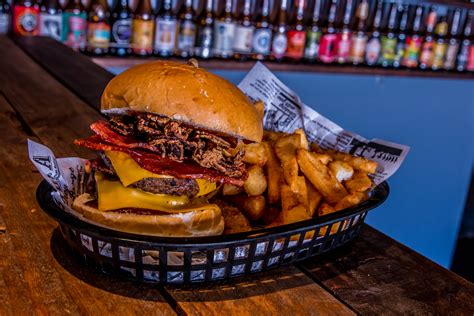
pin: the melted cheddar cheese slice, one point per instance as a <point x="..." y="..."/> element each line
<point x="130" y="172"/>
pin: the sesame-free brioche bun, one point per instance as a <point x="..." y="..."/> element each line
<point x="185" y="93"/>
<point x="205" y="220"/>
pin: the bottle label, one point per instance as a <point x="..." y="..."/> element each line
<point x="25" y="20"/>
<point x="165" y="35"/>
<point x="470" y="62"/>
<point x="313" y="39"/>
<point x="426" y="55"/>
<point x="389" y="46"/>
<point x="243" y="39"/>
<point x="373" y="50"/>
<point x="74" y="30"/>
<point x="204" y="42"/>
<point x="51" y="25"/>
<point x="279" y="45"/>
<point x="344" y="47"/>
<point x="451" y="54"/>
<point x="224" y="37"/>
<point x="412" y="51"/>
<point x="142" y="36"/>
<point x="187" y="36"/>
<point x="358" y="45"/>
<point x="262" y="41"/>
<point x="122" y="32"/>
<point x="296" y="42"/>
<point x="98" y="35"/>
<point x="4" y="23"/>
<point x="439" y="53"/>
<point x="328" y="48"/>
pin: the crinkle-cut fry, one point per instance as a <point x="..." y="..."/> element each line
<point x="320" y="176"/>
<point x="325" y="209"/>
<point x="314" y="199"/>
<point x="230" y="189"/>
<point x="285" y="149"/>
<point x="255" y="154"/>
<point x="358" y="163"/>
<point x="350" y="200"/>
<point x="341" y="170"/>
<point x="274" y="175"/>
<point x="360" y="182"/>
<point x="303" y="139"/>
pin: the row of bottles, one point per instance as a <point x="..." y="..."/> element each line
<point x="384" y="33"/>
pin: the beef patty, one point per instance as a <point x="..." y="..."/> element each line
<point x="171" y="186"/>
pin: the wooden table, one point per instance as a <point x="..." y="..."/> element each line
<point x="51" y="96"/>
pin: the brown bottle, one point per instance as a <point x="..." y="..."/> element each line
<point x="467" y="44"/>
<point x="426" y="55"/>
<point x="280" y="41"/>
<point x="205" y="31"/>
<point x="359" y="37"/>
<point x="329" y="39"/>
<point x="75" y="25"/>
<point x="186" y="30"/>
<point x="297" y="33"/>
<point x="98" y="29"/>
<point x="142" y="29"/>
<point x="453" y="41"/>
<point x="224" y="32"/>
<point x="413" y="41"/>
<point x="313" y="34"/>
<point x="244" y="33"/>
<point x="374" y="46"/>
<point x="441" y="45"/>
<point x="262" y="37"/>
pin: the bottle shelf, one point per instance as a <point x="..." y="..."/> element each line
<point x="236" y="65"/>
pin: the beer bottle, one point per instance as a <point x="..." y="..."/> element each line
<point x="51" y="20"/>
<point x="413" y="41"/>
<point x="5" y="17"/>
<point x="121" y="35"/>
<point x="344" y="36"/>
<point x="439" y="50"/>
<point x="98" y="30"/>
<point x="313" y="34"/>
<point x="224" y="32"/>
<point x="453" y="42"/>
<point x="244" y="34"/>
<point x="75" y="25"/>
<point x="297" y="33"/>
<point x="205" y="31"/>
<point x="426" y="55"/>
<point x="165" y="30"/>
<point x="25" y="18"/>
<point x="374" y="45"/>
<point x="280" y="41"/>
<point x="389" y="39"/>
<point x="467" y="44"/>
<point x="262" y="38"/>
<point x="142" y="29"/>
<point x="359" y="37"/>
<point x="186" y="30"/>
<point x="400" y="48"/>
<point x="328" y="46"/>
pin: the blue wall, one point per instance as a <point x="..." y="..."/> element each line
<point x="434" y="117"/>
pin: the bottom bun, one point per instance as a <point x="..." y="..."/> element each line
<point x="205" y="220"/>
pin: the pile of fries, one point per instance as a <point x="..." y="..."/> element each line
<point x="291" y="180"/>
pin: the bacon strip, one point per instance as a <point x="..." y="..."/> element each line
<point x="159" y="165"/>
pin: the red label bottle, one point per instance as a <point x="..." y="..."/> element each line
<point x="25" y="18"/>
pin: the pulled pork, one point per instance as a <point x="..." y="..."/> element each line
<point x="179" y="142"/>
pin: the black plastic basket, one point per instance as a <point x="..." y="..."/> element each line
<point x="206" y="259"/>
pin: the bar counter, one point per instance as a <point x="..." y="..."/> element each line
<point x="50" y="94"/>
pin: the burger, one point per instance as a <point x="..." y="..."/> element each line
<point x="171" y="136"/>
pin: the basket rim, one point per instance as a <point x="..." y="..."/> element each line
<point x="45" y="200"/>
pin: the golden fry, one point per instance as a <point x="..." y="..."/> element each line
<point x="230" y="189"/>
<point x="272" y="137"/>
<point x="358" y="163"/>
<point x="320" y="176"/>
<point x="256" y="182"/>
<point x="350" y="200"/>
<point x="314" y="199"/>
<point x="323" y="158"/>
<point x="341" y="170"/>
<point x="255" y="154"/>
<point x="270" y="215"/>
<point x="303" y="139"/>
<point x="253" y="207"/>
<point x="295" y="214"/>
<point x="325" y="209"/>
<point x="360" y="182"/>
<point x="285" y="149"/>
<point x="302" y="190"/>
<point x="274" y="175"/>
<point x="289" y="199"/>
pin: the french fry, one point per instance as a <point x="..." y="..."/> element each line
<point x="303" y="139"/>
<point x="320" y="176"/>
<point x="229" y="189"/>
<point x="358" y="163"/>
<point x="285" y="149"/>
<point x="302" y="191"/>
<point x="274" y="175"/>
<point x="314" y="199"/>
<point x="323" y="158"/>
<point x="255" y="154"/>
<point x="272" y="137"/>
<point x="289" y="199"/>
<point x="350" y="200"/>
<point x="296" y="214"/>
<point x="270" y="214"/>
<point x="253" y="207"/>
<point x="256" y="182"/>
<point x="341" y="170"/>
<point x="325" y="209"/>
<point x="360" y="182"/>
